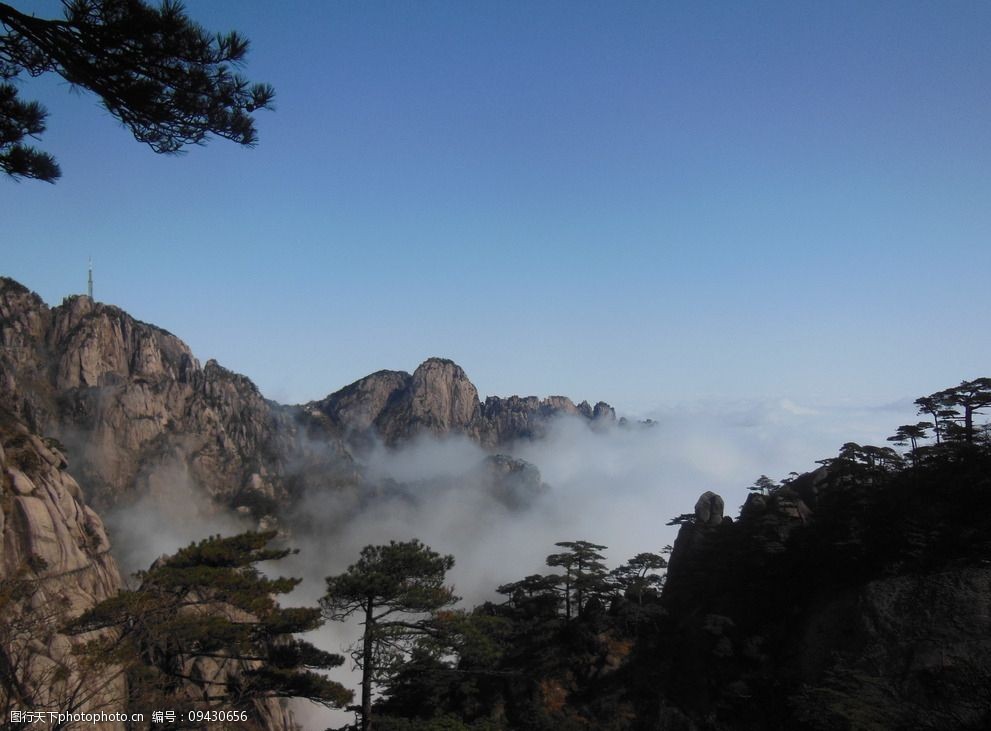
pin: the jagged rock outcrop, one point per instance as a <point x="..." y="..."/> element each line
<point x="849" y="598"/>
<point x="123" y="396"/>
<point x="513" y="482"/>
<point x="55" y="563"/>
<point x="438" y="398"/>
<point x="709" y="509"/>
<point x="126" y="398"/>
<point x="25" y="386"/>
<point x="770" y="519"/>
<point x="503" y="420"/>
<point x="355" y="408"/>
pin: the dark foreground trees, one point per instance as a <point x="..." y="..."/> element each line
<point x="953" y="409"/>
<point x="396" y="589"/>
<point x="204" y="631"/>
<point x="163" y="76"/>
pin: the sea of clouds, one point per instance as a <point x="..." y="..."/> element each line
<point x="616" y="485"/>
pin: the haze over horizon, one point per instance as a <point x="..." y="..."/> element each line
<point x="646" y="205"/>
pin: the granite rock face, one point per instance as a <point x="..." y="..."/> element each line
<point x="125" y="397"/>
<point x="55" y="563"/>
<point x="122" y="396"/>
<point x="355" y="408"/>
<point x="709" y="509"/>
<point x="504" y="420"/>
<point x="439" y="399"/>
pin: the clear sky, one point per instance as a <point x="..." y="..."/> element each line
<point x="635" y="202"/>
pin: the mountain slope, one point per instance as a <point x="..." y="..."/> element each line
<point x="439" y="399"/>
<point x="850" y="598"/>
<point x="129" y="400"/>
<point x="55" y="563"/>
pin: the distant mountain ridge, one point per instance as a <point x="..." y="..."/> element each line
<point x="439" y="398"/>
<point x="126" y="398"/>
<point x="98" y="409"/>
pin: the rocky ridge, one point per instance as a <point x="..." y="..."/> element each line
<point x="438" y="398"/>
<point x="125" y="402"/>
<point x="840" y="600"/>
<point x="124" y="396"/>
<point x="55" y="563"/>
<point x="128" y="399"/>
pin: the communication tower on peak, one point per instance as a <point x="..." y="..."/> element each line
<point x="89" y="290"/>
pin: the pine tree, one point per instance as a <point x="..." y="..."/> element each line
<point x="638" y="577"/>
<point x="910" y="434"/>
<point x="209" y="602"/>
<point x="970" y="396"/>
<point x="396" y="589"/>
<point x="160" y="74"/>
<point x="584" y="574"/>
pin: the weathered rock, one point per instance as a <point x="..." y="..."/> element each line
<point x="604" y="412"/>
<point x="121" y="394"/>
<point x="709" y="509"/>
<point x="55" y="563"/>
<point x="513" y="482"/>
<point x="438" y="398"/>
<point x="19" y="482"/>
<point x="505" y="420"/>
<point x="99" y="345"/>
<point x="355" y="408"/>
<point x="772" y="518"/>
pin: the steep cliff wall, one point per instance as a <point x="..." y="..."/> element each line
<point x="128" y="399"/>
<point x="54" y="564"/>
<point x="125" y="402"/>
<point x="125" y="397"/>
<point x="851" y="598"/>
<point x="438" y="398"/>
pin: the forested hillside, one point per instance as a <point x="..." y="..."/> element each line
<point x="852" y="597"/>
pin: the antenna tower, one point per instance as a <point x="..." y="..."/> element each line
<point x="90" y="288"/>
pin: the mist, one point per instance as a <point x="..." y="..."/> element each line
<point x="615" y="485"/>
<point x="171" y="512"/>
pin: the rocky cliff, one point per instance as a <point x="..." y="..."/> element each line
<point x="130" y="407"/>
<point x="439" y="399"/>
<point x="851" y="598"/>
<point x="55" y="563"/>
<point x="129" y="401"/>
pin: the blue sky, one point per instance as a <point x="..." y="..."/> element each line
<point x="643" y="203"/>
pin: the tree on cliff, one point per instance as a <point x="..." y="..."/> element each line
<point x="396" y="589"/>
<point x="970" y="396"/>
<point x="208" y="607"/>
<point x="584" y="574"/>
<point x="910" y="434"/>
<point x="764" y="485"/>
<point x="163" y="76"/>
<point x="638" y="577"/>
